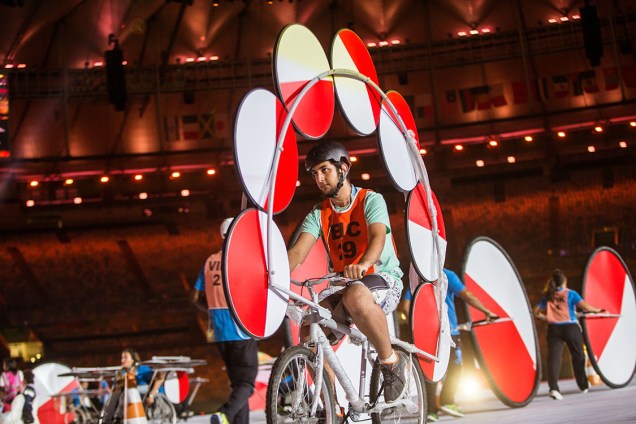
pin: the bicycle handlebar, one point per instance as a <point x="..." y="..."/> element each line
<point x="333" y="278"/>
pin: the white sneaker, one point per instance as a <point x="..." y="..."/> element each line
<point x="554" y="394"/>
<point x="586" y="390"/>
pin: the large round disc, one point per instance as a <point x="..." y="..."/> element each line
<point x="48" y="383"/>
<point x="259" y="123"/>
<point x="360" y="104"/>
<point x="393" y="144"/>
<point x="611" y="341"/>
<point x="316" y="265"/>
<point x="512" y="368"/>
<point x="426" y="329"/>
<point x="176" y="386"/>
<point x="257" y="308"/>
<point x="419" y="231"/>
<point x="299" y="58"/>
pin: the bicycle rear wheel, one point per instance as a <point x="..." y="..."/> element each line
<point x="415" y="393"/>
<point x="291" y="390"/>
<point x="161" y="411"/>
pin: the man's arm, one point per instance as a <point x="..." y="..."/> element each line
<point x="472" y="300"/>
<point x="198" y="297"/>
<point x="299" y="251"/>
<point x="377" y="238"/>
<point x="586" y="307"/>
<point x="538" y="313"/>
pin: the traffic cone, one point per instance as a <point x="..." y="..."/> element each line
<point x="134" y="408"/>
<point x="592" y="376"/>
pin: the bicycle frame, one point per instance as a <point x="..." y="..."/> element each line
<point x="322" y="317"/>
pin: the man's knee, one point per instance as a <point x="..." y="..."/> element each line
<point x="357" y="299"/>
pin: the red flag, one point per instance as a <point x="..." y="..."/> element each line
<point x="588" y="81"/>
<point x="481" y="96"/>
<point x="450" y="104"/>
<point x="497" y="98"/>
<point x="560" y="86"/>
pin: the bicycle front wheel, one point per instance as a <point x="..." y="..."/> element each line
<point x="415" y="409"/>
<point x="291" y="390"/>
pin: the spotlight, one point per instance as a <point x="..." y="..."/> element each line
<point x="622" y="144"/>
<point x="211" y="171"/>
<point x="297" y="183"/>
<point x="459" y="147"/>
<point x="175" y="174"/>
<point x="104" y="179"/>
<point x="528" y="138"/>
<point x="68" y="181"/>
<point x="30" y="203"/>
<point x="353" y="158"/>
<point x="185" y="192"/>
<point x="77" y="200"/>
<point x="561" y="134"/>
<point x="632" y="124"/>
<point x="598" y="129"/>
<point x="365" y="176"/>
<point x="34" y="183"/>
<point x="511" y="159"/>
<point x="423" y="151"/>
<point x="139" y="177"/>
<point x="493" y="143"/>
<point x="480" y="163"/>
<point x="143" y="196"/>
<point x="591" y="149"/>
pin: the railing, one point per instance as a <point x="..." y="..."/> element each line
<point x="197" y="76"/>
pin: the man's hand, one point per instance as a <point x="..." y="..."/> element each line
<point x="150" y="399"/>
<point x="491" y="317"/>
<point x="355" y="271"/>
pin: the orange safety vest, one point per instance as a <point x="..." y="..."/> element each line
<point x="345" y="233"/>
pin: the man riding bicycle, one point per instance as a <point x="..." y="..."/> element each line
<point x="354" y="225"/>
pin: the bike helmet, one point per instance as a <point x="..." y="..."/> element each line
<point x="225" y="225"/>
<point x="327" y="151"/>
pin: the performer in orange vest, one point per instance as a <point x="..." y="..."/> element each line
<point x="354" y="225"/>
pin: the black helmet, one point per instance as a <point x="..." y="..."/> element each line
<point x="328" y="150"/>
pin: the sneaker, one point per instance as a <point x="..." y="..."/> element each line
<point x="452" y="409"/>
<point x="585" y="391"/>
<point x="394" y="378"/>
<point x="219" y="418"/>
<point x="554" y="394"/>
<point x="432" y="417"/>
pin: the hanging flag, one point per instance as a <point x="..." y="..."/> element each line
<point x="206" y="125"/>
<point x="577" y="86"/>
<point x="424" y="106"/>
<point x="190" y="127"/>
<point x="629" y="75"/>
<point x="519" y="92"/>
<point x="560" y="86"/>
<point x="171" y="128"/>
<point x="497" y="97"/>
<point x="611" y="78"/>
<point x="541" y="89"/>
<point x="221" y="125"/>
<point x="467" y="100"/>
<point x="450" y="105"/>
<point x="588" y="81"/>
<point x="481" y="94"/>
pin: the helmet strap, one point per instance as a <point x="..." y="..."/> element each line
<point x="342" y="176"/>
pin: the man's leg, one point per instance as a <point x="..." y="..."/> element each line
<point x="368" y="317"/>
<point x="241" y="360"/>
<point x="453" y="375"/>
<point x="574" y="340"/>
<point x="555" y="350"/>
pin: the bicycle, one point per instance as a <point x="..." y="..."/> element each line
<point x="300" y="390"/>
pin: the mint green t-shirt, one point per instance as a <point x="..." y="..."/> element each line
<point x="375" y="211"/>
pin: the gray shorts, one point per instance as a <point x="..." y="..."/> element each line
<point x="385" y="288"/>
